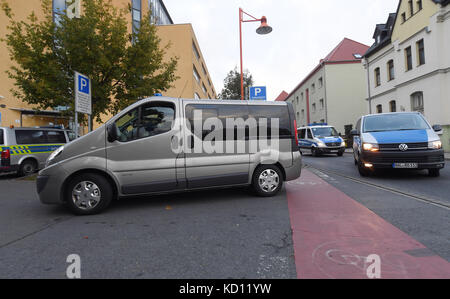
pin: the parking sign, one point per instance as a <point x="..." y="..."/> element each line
<point x="258" y="93"/>
<point x="83" y="95"/>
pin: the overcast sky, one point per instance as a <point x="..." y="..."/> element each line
<point x="305" y="31"/>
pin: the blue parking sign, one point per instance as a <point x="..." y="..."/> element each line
<point x="83" y="84"/>
<point x="258" y="93"/>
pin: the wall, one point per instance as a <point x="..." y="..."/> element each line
<point x="346" y="94"/>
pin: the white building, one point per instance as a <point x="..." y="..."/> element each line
<point x="408" y="67"/>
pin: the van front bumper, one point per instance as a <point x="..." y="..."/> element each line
<point x="49" y="189"/>
<point x="426" y="159"/>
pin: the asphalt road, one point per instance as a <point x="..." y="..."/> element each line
<point x="424" y="221"/>
<point x="212" y="234"/>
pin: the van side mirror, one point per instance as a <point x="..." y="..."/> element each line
<point x="111" y="130"/>
<point x="437" y="128"/>
<point x="354" y="133"/>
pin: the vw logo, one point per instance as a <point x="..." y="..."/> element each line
<point x="403" y="147"/>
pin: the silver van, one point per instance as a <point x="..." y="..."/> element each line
<point x="25" y="150"/>
<point x="163" y="145"/>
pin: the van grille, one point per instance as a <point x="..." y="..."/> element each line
<point x="411" y="146"/>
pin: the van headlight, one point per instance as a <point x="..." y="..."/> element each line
<point x="55" y="154"/>
<point x="321" y="144"/>
<point x="435" y="145"/>
<point x="371" y="147"/>
<point x="343" y="144"/>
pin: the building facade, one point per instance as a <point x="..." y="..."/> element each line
<point x="408" y="66"/>
<point x="334" y="91"/>
<point x="184" y="45"/>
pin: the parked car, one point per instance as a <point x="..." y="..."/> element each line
<point x="397" y="141"/>
<point x="25" y="150"/>
<point x="137" y="153"/>
<point x="321" y="139"/>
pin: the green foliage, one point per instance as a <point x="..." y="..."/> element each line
<point x="232" y="85"/>
<point x="123" y="67"/>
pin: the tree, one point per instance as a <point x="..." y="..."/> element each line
<point x="232" y="85"/>
<point x="123" y="67"/>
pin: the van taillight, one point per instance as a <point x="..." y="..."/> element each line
<point x="296" y="131"/>
<point x="6" y="155"/>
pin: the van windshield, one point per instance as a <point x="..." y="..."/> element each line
<point x="325" y="132"/>
<point x="394" y="122"/>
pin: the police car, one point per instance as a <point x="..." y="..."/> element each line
<point x="25" y="150"/>
<point x="402" y="140"/>
<point x="320" y="139"/>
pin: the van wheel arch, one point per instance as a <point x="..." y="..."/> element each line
<point x="92" y="171"/>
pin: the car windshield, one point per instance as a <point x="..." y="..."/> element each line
<point x="325" y="132"/>
<point x="394" y="122"/>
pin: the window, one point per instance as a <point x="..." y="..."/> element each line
<point x="2" y="141"/>
<point x="391" y="71"/>
<point x="303" y="113"/>
<point x="196" y="75"/>
<point x="159" y="15"/>
<point x="321" y="104"/>
<point x="411" y="7"/>
<point x="392" y="106"/>
<point x="379" y="109"/>
<point x="302" y="134"/>
<point x="309" y="134"/>
<point x="30" y="137"/>
<point x="420" y="52"/>
<point x="196" y="52"/>
<point x="408" y="59"/>
<point x="273" y="112"/>
<point x="403" y="17"/>
<point x="156" y="119"/>
<point x="197" y="96"/>
<point x="204" y="88"/>
<point x="314" y="107"/>
<point x="377" y="77"/>
<point x="417" y="103"/>
<point x="320" y="82"/>
<point x="146" y="121"/>
<point x="136" y="15"/>
<point x="204" y="69"/>
<point x="302" y="96"/>
<point x="313" y="88"/>
<point x="59" y="7"/>
<point x="56" y="137"/>
<point x="419" y="4"/>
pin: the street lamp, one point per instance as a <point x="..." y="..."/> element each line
<point x="262" y="30"/>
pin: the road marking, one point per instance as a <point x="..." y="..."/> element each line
<point x="420" y="198"/>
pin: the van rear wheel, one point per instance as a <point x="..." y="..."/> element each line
<point x="88" y="194"/>
<point x="267" y="180"/>
<point x="28" y="167"/>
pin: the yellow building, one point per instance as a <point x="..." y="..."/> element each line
<point x="194" y="79"/>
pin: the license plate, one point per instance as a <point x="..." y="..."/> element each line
<point x="406" y="165"/>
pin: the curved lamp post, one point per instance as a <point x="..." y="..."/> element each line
<point x="262" y="30"/>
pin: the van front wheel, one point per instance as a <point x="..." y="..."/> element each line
<point x="88" y="194"/>
<point x="267" y="180"/>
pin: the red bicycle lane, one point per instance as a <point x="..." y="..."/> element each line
<point x="334" y="235"/>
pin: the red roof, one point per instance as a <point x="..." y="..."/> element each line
<point x="343" y="53"/>
<point x="282" y="97"/>
<point x="346" y="51"/>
